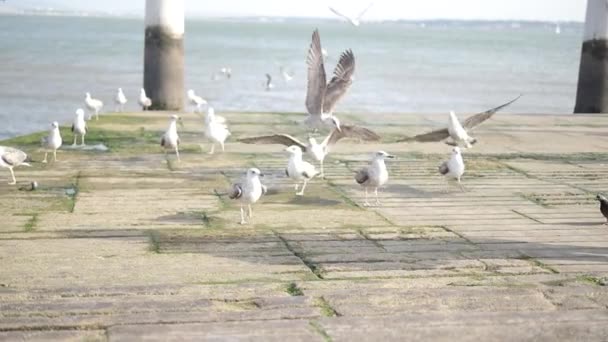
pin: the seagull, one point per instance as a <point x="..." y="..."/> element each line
<point x="249" y="191"/>
<point x="453" y="168"/>
<point x="52" y="141"/>
<point x="298" y="169"/>
<point x="353" y="21"/>
<point x="12" y="157"/>
<point x="79" y="127"/>
<point x="316" y="150"/>
<point x="196" y="100"/>
<point x="225" y="71"/>
<point x="144" y="101"/>
<point x="93" y="105"/>
<point x="374" y="175"/>
<point x="269" y="84"/>
<point x="603" y="205"/>
<point x="287" y="76"/>
<point x="170" y="140"/>
<point x="216" y="129"/>
<point x="458" y="132"/>
<point x="120" y="100"/>
<point x="322" y="97"/>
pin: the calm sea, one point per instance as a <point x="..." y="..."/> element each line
<point x="48" y="63"/>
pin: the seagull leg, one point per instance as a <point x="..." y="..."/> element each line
<point x="212" y="148"/>
<point x="83" y="144"/>
<point x="322" y="172"/>
<point x="54" y="155"/>
<point x="96" y="114"/>
<point x="462" y="188"/>
<point x="297" y="186"/>
<point x="177" y="153"/>
<point x="45" y="155"/>
<point x="377" y="200"/>
<point x="243" y="215"/>
<point x="74" y="144"/>
<point x="366" y="203"/>
<point x="12" y="175"/>
<point x="250" y="212"/>
<point x="222" y="144"/>
<point x="301" y="193"/>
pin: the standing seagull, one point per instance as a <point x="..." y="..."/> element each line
<point x="93" y="105"/>
<point x="269" y="84"/>
<point x="120" y="100"/>
<point x="79" y="127"/>
<point x="248" y="192"/>
<point x="215" y="129"/>
<point x="298" y="169"/>
<point x="170" y="140"/>
<point x="52" y="142"/>
<point x="10" y="158"/>
<point x="374" y="175"/>
<point x="356" y="21"/>
<point x="603" y="206"/>
<point x="453" y="168"/>
<point x="144" y="101"/>
<point x="196" y="100"/>
<point x="458" y="132"/>
<point x="316" y="150"/>
<point x="322" y="97"/>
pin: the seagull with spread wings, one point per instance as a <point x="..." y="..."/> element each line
<point x="316" y="150"/>
<point x="322" y="97"/>
<point x="355" y="21"/>
<point x="458" y="132"/>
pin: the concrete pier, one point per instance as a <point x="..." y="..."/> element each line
<point x="164" y="54"/>
<point x="592" y="93"/>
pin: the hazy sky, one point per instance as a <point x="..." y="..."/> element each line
<point x="550" y="10"/>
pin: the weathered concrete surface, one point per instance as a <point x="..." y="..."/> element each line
<point x="128" y="244"/>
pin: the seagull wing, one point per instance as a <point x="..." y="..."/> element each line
<point x="342" y="80"/>
<point x="13" y="156"/>
<point x="365" y="10"/>
<point x="362" y="176"/>
<point x="280" y="139"/>
<point x="433" y="136"/>
<point x="317" y="83"/>
<point x="236" y="192"/>
<point x="444" y="168"/>
<point x="338" y="13"/>
<point x="350" y="132"/>
<point x="477" y="119"/>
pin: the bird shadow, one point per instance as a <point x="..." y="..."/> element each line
<point x="315" y="200"/>
<point x="409" y="191"/>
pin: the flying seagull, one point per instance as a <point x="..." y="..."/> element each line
<point x="170" y="140"/>
<point x="316" y="150"/>
<point x="269" y="84"/>
<point x="453" y="168"/>
<point x="12" y="157"/>
<point x="79" y="127"/>
<point x="248" y="191"/>
<point x="603" y="205"/>
<point x="322" y="97"/>
<point x="196" y="100"/>
<point x="298" y="169"/>
<point x="144" y="101"/>
<point x="120" y="100"/>
<point x="458" y="133"/>
<point x="93" y="105"/>
<point x="52" y="142"/>
<point x="374" y="175"/>
<point x="215" y="129"/>
<point x="287" y="76"/>
<point x="355" y="21"/>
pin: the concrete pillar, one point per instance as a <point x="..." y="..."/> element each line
<point x="164" y="54"/>
<point x="592" y="93"/>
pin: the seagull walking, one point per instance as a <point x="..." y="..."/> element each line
<point x="355" y="21"/>
<point x="93" y="105"/>
<point x="170" y="140"/>
<point x="120" y="100"/>
<point x="459" y="133"/>
<point x="215" y="129"/>
<point x="196" y="101"/>
<point x="52" y="142"/>
<point x="322" y="97"/>
<point x="298" y="169"/>
<point x="248" y="192"/>
<point x="603" y="206"/>
<point x="79" y="127"/>
<point x="11" y="158"/>
<point x="268" y="83"/>
<point x="317" y="150"/>
<point x="144" y="101"/>
<point x="453" y="168"/>
<point x="374" y="175"/>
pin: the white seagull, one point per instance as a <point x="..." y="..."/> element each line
<point x="12" y="157"/>
<point x="374" y="175"/>
<point x="322" y="97"/>
<point x="170" y="140"/>
<point x="196" y="100"/>
<point x="298" y="169"/>
<point x="144" y="101"/>
<point x="93" y="105"/>
<point x="248" y="191"/>
<point x="268" y="83"/>
<point x="287" y="76"/>
<point x="215" y="129"/>
<point x="453" y="168"/>
<point x="79" y="127"/>
<point x="316" y="150"/>
<point x="355" y="21"/>
<point x="458" y="132"/>
<point x="120" y="100"/>
<point x="52" y="142"/>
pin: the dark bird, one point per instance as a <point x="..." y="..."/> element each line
<point x="603" y="205"/>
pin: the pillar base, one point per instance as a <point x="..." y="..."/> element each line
<point x="592" y="93"/>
